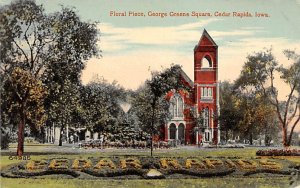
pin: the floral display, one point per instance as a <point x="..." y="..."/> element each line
<point x="79" y="164"/>
<point x="247" y="164"/>
<point x="57" y="164"/>
<point x="105" y="163"/>
<point x="141" y="166"/>
<point x="212" y="163"/>
<point x="130" y="162"/>
<point x="36" y="165"/>
<point x="272" y="165"/>
<point x="189" y="163"/>
<point x="166" y="163"/>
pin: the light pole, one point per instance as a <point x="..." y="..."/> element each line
<point x="125" y="107"/>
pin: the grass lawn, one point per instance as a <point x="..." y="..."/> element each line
<point x="207" y="182"/>
<point x="55" y="182"/>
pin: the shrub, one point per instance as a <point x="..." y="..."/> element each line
<point x="278" y="152"/>
<point x="4" y="139"/>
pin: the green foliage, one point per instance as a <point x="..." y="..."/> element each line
<point x="74" y="42"/>
<point x="149" y="103"/>
<point x="257" y="69"/>
<point x="143" y="109"/>
<point x="4" y="138"/>
<point x="46" y="50"/>
<point x="245" y="112"/>
<point x="25" y="95"/>
<point x="258" y="75"/>
<point x="100" y="106"/>
<point x="230" y="114"/>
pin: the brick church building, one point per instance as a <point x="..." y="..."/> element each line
<point x="203" y="102"/>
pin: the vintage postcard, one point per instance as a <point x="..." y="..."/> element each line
<point x="149" y="93"/>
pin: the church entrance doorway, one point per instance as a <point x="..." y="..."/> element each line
<point x="181" y="133"/>
<point x="172" y="131"/>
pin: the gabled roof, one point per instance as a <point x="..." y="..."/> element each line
<point x="186" y="78"/>
<point x="205" y="40"/>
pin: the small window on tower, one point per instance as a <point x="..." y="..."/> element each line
<point x="206" y="93"/>
<point x="206" y="62"/>
<point x="205" y="115"/>
<point x="209" y="93"/>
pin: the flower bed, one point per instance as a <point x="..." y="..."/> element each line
<point x="278" y="152"/>
<point x="149" y="168"/>
<point x="225" y="146"/>
<point x="118" y="144"/>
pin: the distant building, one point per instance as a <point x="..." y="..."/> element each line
<point x="203" y="101"/>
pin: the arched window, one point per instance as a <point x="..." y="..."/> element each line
<point x="171" y="109"/>
<point x="180" y="107"/>
<point x="206" y="62"/>
<point x="176" y="106"/>
<point x="206" y="117"/>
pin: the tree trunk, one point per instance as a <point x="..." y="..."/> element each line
<point x="152" y="126"/>
<point x="20" y="149"/>
<point x="60" y="135"/>
<point x="152" y="129"/>
<point x="251" y="139"/>
<point x="151" y="144"/>
<point x="226" y="135"/>
<point x="284" y="137"/>
<point x="267" y="137"/>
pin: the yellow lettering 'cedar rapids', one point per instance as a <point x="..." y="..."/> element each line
<point x="165" y="163"/>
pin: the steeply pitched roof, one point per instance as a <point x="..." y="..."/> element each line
<point x="187" y="79"/>
<point x="205" y="40"/>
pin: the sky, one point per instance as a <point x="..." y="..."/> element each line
<point x="134" y="46"/>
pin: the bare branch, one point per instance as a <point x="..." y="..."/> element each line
<point x="11" y="81"/>
<point x="276" y="100"/>
<point x="288" y="103"/>
<point x="293" y="127"/>
<point x="42" y="46"/>
<point x="28" y="43"/>
<point x="294" y="113"/>
<point x="26" y="57"/>
<point x="35" y="32"/>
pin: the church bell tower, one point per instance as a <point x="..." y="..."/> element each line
<point x="206" y="87"/>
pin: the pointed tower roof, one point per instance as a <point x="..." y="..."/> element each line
<point x="205" y="40"/>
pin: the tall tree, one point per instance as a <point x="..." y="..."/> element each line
<point x="143" y="109"/>
<point x="31" y="110"/>
<point x="61" y="103"/>
<point x="259" y="71"/>
<point x="75" y="43"/>
<point x="31" y="40"/>
<point x="24" y="45"/>
<point x="252" y="113"/>
<point x="100" y="105"/>
<point x="151" y="102"/>
<point x="230" y="115"/>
